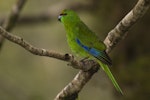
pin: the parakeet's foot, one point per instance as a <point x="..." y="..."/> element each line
<point x="87" y="63"/>
<point x="84" y="59"/>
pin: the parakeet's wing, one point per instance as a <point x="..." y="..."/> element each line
<point x="92" y="49"/>
<point x="103" y="60"/>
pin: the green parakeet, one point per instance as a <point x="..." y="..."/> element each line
<point x="85" y="43"/>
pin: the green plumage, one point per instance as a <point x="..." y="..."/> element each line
<point x="85" y="43"/>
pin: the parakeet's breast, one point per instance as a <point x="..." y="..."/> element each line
<point x="75" y="48"/>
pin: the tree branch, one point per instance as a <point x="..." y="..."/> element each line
<point x="70" y="92"/>
<point x="11" y="20"/>
<point x="118" y="33"/>
<point x="43" y="52"/>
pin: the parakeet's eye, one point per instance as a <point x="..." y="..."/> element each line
<point x="63" y="14"/>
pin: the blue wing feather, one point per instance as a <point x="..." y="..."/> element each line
<point x="101" y="55"/>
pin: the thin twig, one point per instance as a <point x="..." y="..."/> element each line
<point x="47" y="15"/>
<point x="11" y="20"/>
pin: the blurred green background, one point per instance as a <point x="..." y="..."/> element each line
<point x="24" y="76"/>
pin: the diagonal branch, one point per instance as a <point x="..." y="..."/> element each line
<point x="118" y="33"/>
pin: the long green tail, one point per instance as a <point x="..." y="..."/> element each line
<point x="108" y="72"/>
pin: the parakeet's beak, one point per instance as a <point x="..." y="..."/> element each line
<point x="59" y="17"/>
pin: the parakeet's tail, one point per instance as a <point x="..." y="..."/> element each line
<point x="108" y="72"/>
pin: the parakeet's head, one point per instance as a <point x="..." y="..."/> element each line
<point x="68" y="17"/>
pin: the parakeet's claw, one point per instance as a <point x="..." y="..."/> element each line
<point x="84" y="59"/>
<point x="87" y="63"/>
